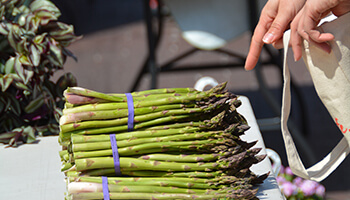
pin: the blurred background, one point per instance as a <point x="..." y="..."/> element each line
<point x="114" y="48"/>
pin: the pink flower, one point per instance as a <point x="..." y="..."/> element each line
<point x="289" y="189"/>
<point x="36" y="117"/>
<point x="280" y="180"/>
<point x="288" y="171"/>
<point x="282" y="169"/>
<point x="298" y="181"/>
<point x="320" y="190"/>
<point x="308" y="187"/>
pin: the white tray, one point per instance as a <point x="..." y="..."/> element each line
<point x="32" y="171"/>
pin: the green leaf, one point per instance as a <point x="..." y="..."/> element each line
<point x="300" y="195"/>
<point x="69" y="53"/>
<point x="54" y="128"/>
<point x="21" y="86"/>
<point x="22" y="20"/>
<point x="5" y="82"/>
<point x="3" y="99"/>
<point x="29" y="76"/>
<point x="24" y="74"/>
<point x="2" y="68"/>
<point x="30" y="133"/>
<point x="11" y="39"/>
<point x="6" y="101"/>
<point x="2" y="82"/>
<point x="292" y="198"/>
<point x="2" y="107"/>
<point x="7" y="136"/>
<point x="24" y="60"/>
<point x="19" y="69"/>
<point x="15" y="77"/>
<point x="34" y="104"/>
<point x="62" y="33"/>
<point x="57" y="113"/>
<point x="42" y="129"/>
<point x="9" y="66"/>
<point x="15" y="106"/>
<point x="45" y="16"/>
<point x="22" y="45"/>
<point x="49" y="87"/>
<point x="2" y="110"/>
<point x="55" y="54"/>
<point x="289" y="177"/>
<point x="27" y="92"/>
<point x="39" y="38"/>
<point x="2" y="10"/>
<point x="35" y="22"/>
<point x="4" y="29"/>
<point x="23" y="9"/>
<point x="48" y="6"/>
<point x="34" y="55"/>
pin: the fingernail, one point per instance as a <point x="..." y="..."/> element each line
<point x="296" y="59"/>
<point x="268" y="37"/>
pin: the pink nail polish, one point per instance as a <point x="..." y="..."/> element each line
<point x="268" y="37"/>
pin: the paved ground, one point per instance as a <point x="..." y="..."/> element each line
<point x="109" y="59"/>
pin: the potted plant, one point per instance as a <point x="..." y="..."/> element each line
<point x="296" y="188"/>
<point x="33" y="46"/>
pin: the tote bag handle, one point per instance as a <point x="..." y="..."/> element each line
<point x="327" y="165"/>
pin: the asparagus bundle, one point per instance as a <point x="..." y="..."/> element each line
<point x="185" y="145"/>
<point x="108" y="113"/>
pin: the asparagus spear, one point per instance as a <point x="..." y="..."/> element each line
<point x="149" y="148"/>
<point x="138" y="118"/>
<point x="137" y="164"/>
<point x="90" y="93"/>
<point x="132" y="164"/>
<point x="132" y="141"/>
<point x="118" y="97"/>
<point x="132" y="180"/>
<point x="115" y="113"/>
<point x="76" y="139"/>
<point x="123" y="121"/>
<point x="84" y="187"/>
<point x="166" y="196"/>
<point x="205" y="124"/>
<point x="111" y="172"/>
<point x="180" y="182"/>
<point x="64" y="136"/>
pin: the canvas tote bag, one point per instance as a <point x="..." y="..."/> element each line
<point x="331" y="77"/>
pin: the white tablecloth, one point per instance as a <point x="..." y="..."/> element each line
<point x="32" y="171"/>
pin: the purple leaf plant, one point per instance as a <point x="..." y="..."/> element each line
<point x="32" y="48"/>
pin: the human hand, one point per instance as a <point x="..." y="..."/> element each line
<point x="274" y="20"/>
<point x="304" y="25"/>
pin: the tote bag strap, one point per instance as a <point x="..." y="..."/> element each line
<point x="327" y="165"/>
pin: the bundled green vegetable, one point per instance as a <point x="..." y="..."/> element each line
<point x="185" y="145"/>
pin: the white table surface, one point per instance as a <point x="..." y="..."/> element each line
<point x="32" y="171"/>
<point x="269" y="189"/>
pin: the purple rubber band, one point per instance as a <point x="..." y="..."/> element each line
<point x="105" y="188"/>
<point x="115" y="154"/>
<point x="131" y="114"/>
